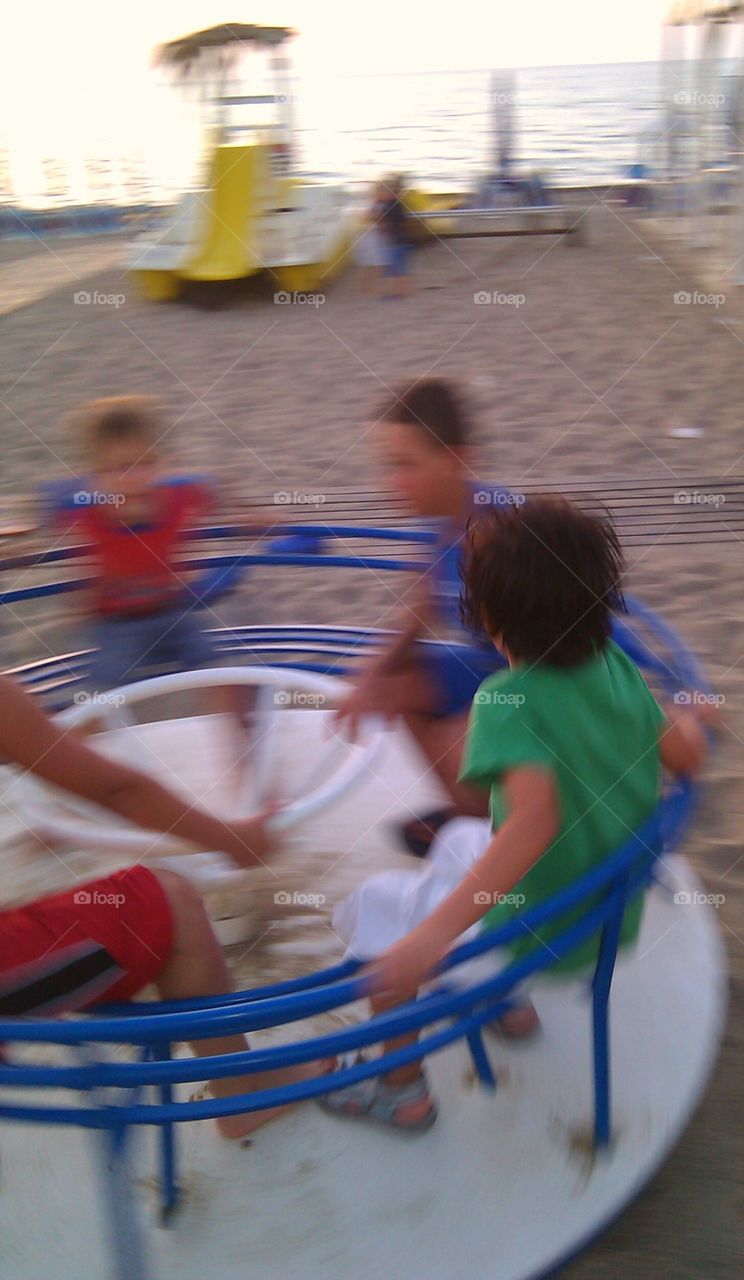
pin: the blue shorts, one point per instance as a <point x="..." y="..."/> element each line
<point x="124" y="646"/>
<point x="397" y="258"/>
<point x="456" y="675"/>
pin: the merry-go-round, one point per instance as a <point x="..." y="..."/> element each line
<point x="538" y="1147"/>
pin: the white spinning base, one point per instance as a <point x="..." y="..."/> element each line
<point x="160" y="746"/>
<point x="295" y="757"/>
<point x="502" y="1187"/>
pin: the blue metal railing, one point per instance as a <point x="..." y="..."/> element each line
<point x="304" y="546"/>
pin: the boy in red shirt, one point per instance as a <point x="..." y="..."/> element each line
<point x="143" y="611"/>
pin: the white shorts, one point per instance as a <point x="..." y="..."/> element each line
<point x="371" y="249"/>
<point x="392" y="903"/>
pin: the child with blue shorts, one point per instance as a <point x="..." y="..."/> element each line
<point x="135" y="519"/>
<point x="394" y="223"/>
<point x="424" y="434"/>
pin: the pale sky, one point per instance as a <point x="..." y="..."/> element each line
<point x="81" y="70"/>
<point x="85" y="38"/>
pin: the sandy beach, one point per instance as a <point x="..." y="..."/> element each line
<point x="586" y="374"/>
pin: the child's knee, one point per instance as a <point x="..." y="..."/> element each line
<point x="184" y="900"/>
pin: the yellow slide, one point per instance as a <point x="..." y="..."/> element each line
<point x="247" y="220"/>
<point x="419" y="201"/>
<point x="241" y="188"/>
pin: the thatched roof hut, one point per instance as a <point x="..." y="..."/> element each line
<point x="687" y="11"/>
<point x="183" y="54"/>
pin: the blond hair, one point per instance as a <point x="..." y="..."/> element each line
<point x="113" y="418"/>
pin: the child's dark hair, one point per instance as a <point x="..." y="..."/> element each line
<point x="117" y="418"/>
<point x="432" y="405"/>
<point x="544" y="576"/>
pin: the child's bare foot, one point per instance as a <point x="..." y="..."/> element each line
<point x="518" y="1023"/>
<point x="241" y="1126"/>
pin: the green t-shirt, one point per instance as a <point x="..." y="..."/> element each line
<point x="596" y="728"/>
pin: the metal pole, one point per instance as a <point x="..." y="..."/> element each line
<point x="704" y="115"/>
<point x="281" y="66"/>
<point x="128" y="1260"/>
<point x="502" y="123"/>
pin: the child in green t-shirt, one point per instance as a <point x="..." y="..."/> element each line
<point x="570" y="743"/>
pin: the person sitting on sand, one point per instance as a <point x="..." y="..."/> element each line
<point x="425" y="434"/>
<point x="135" y="518"/>
<point x="569" y="742"/>
<point x="107" y="939"/>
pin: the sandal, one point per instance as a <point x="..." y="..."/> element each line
<point x="418" y="834"/>
<point x="377" y="1100"/>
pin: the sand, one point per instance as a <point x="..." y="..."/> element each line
<point x="586" y="378"/>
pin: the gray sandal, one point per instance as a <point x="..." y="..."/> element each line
<point x="377" y="1100"/>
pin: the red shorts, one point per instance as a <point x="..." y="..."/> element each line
<point x="103" y="941"/>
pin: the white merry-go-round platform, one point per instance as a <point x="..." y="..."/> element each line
<point x="506" y="1186"/>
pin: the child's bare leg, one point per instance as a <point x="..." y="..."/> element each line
<point x="441" y="740"/>
<point x="403" y="691"/>
<point x="368" y="280"/>
<point x="412" y="1070"/>
<point x="196" y="967"/>
<point x="400" y="1098"/>
<point x="408" y="1113"/>
<point x="519" y="1023"/>
<point x="237" y="702"/>
<point x="407" y="693"/>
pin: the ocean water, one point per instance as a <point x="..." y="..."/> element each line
<point x="575" y="124"/>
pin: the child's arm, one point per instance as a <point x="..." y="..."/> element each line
<point x="414" y="621"/>
<point x="30" y="739"/>
<point x="532" y="824"/>
<point x="63" y="505"/>
<point x="683" y="743"/>
<point x="358" y="701"/>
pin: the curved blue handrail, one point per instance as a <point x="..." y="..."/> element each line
<point x="304" y="546"/>
<point x="478" y="1002"/>
<point x="263" y="1008"/>
<point x="296" y="545"/>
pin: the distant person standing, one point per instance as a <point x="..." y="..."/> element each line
<point x="372" y="249"/>
<point x="395" y="225"/>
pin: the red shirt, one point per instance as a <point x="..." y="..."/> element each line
<point x="136" y="564"/>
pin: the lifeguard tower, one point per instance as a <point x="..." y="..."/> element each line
<point x="254" y="213"/>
